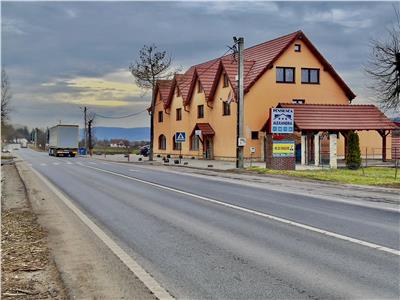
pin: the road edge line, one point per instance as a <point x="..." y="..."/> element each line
<point x="127" y="260"/>
<point x="257" y="213"/>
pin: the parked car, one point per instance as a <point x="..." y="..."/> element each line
<point x="145" y="150"/>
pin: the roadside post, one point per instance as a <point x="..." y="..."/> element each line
<point x="180" y="137"/>
<point x="252" y="151"/>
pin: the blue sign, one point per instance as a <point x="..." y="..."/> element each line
<point x="180" y="137"/>
<point x="282" y="120"/>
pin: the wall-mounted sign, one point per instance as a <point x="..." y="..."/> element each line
<point x="197" y="132"/>
<point x="180" y="137"/>
<point x="282" y="120"/>
<point x="241" y="142"/>
<point x="283" y="148"/>
<point x="252" y="149"/>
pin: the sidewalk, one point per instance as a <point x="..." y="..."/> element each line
<point x="194" y="163"/>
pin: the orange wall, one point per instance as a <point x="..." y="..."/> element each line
<point x="263" y="95"/>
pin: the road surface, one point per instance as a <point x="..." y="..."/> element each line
<point x="204" y="238"/>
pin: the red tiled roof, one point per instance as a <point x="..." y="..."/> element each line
<point x="205" y="128"/>
<point x="257" y="60"/>
<point x="338" y="117"/>
<point x="164" y="87"/>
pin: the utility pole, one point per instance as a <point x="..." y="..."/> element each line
<point x="86" y="133"/>
<point x="90" y="136"/>
<point x="240" y="105"/>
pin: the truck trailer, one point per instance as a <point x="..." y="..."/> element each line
<point x="63" y="140"/>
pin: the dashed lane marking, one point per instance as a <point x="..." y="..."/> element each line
<point x="133" y="170"/>
<point x="260" y="214"/>
<point x="55" y="163"/>
<point x="135" y="268"/>
<point x="43" y="164"/>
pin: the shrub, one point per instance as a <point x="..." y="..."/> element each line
<point x="353" y="158"/>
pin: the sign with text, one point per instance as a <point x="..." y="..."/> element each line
<point x="282" y="120"/>
<point x="180" y="137"/>
<point x="283" y="148"/>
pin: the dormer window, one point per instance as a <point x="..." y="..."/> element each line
<point x="226" y="81"/>
<point x="297" y="48"/>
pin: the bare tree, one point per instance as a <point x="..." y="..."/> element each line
<point x="152" y="65"/>
<point x="5" y="96"/>
<point x="384" y="66"/>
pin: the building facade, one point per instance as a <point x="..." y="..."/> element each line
<point x="288" y="69"/>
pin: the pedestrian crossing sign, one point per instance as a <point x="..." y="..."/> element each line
<point x="180" y="137"/>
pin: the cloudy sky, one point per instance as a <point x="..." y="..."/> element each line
<point x="60" y="56"/>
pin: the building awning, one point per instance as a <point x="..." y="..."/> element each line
<point x="332" y="117"/>
<point x="205" y="128"/>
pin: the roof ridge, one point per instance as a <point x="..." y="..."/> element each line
<point x="277" y="38"/>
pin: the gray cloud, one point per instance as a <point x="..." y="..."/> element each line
<point x="56" y="42"/>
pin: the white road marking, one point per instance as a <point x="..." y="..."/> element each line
<point x="104" y="163"/>
<point x="92" y="162"/>
<point x="55" y="163"/>
<point x="43" y="164"/>
<point x="135" y="268"/>
<point x="69" y="163"/>
<point x="133" y="170"/>
<point x="260" y="214"/>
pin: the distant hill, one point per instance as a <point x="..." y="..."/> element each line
<point x="131" y="134"/>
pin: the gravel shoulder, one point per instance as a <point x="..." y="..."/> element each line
<point x="28" y="268"/>
<point x="87" y="267"/>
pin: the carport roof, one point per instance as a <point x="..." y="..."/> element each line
<point x="336" y="117"/>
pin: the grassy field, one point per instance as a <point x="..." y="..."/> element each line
<point x="110" y="151"/>
<point x="366" y="176"/>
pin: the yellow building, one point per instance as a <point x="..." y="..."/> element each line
<point x="288" y="69"/>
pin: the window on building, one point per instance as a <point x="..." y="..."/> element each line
<point x="309" y="75"/>
<point x="162" y="142"/>
<point x="226" y="80"/>
<point x="254" y="135"/>
<point x="200" y="111"/>
<point x="179" y="114"/>
<point x="226" y="108"/>
<point x="285" y="75"/>
<point x="160" y="117"/>
<point x="298" y="101"/>
<point x="176" y="145"/>
<point x="199" y="87"/>
<point x="297" y="48"/>
<point x="178" y="92"/>
<point x="194" y="143"/>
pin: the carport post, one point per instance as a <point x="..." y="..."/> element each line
<point x="333" y="150"/>
<point x="303" y="148"/>
<point x="316" y="149"/>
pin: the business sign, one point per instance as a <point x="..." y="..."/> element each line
<point x="180" y="137"/>
<point x="282" y="120"/>
<point x="252" y="149"/>
<point x="283" y="148"/>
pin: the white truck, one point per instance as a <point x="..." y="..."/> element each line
<point x="63" y="140"/>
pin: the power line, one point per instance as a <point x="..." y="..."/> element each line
<point x="120" y="117"/>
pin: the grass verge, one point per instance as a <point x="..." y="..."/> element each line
<point x="367" y="176"/>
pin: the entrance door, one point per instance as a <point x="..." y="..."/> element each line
<point x="209" y="148"/>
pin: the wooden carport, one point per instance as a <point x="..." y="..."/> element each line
<point x="335" y="119"/>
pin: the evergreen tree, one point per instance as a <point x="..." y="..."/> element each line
<point x="353" y="158"/>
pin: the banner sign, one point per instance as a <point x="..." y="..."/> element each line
<point x="283" y="148"/>
<point x="282" y="120"/>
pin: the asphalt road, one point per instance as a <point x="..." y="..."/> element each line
<point x="199" y="249"/>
